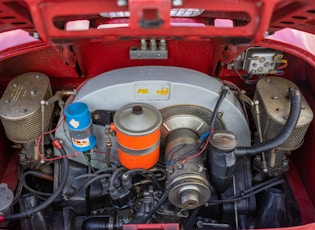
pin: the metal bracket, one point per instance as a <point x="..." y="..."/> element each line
<point x="151" y="50"/>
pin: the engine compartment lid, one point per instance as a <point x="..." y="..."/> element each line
<point x="244" y="21"/>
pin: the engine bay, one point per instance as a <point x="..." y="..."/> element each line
<point x="157" y="114"/>
<point x="165" y="145"/>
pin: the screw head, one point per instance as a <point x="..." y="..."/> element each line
<point x="23" y="110"/>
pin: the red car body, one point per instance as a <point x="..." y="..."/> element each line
<point x="36" y="36"/>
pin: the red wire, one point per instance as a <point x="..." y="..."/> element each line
<point x="282" y="66"/>
<point x="53" y="130"/>
<point x="82" y="84"/>
<point x="201" y="151"/>
<point x="197" y="154"/>
<point x="108" y="154"/>
<point x="231" y="84"/>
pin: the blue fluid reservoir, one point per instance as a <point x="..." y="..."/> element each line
<point x="80" y="126"/>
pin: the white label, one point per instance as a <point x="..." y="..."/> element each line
<point x="152" y="91"/>
<point x="74" y="123"/>
<point x="81" y="143"/>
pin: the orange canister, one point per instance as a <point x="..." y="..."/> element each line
<point x="137" y="129"/>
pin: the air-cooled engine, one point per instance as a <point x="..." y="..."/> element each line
<point x="155" y="144"/>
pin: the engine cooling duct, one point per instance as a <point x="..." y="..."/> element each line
<point x="20" y="107"/>
<point x="184" y="97"/>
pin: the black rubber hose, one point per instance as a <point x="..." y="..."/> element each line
<point x="97" y="173"/>
<point x="39" y="175"/>
<point x="223" y="93"/>
<point x="141" y="172"/>
<point x="245" y="195"/>
<point x="282" y="136"/>
<point x="87" y="184"/>
<point x="46" y="203"/>
<point x="23" y="182"/>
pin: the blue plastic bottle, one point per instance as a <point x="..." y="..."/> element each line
<point x="80" y="126"/>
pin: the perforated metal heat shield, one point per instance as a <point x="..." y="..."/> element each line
<point x="274" y="105"/>
<point x="20" y="107"/>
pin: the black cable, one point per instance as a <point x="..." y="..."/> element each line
<point x="245" y="194"/>
<point x="112" y="179"/>
<point x="262" y="184"/>
<point x="282" y="136"/>
<point x="156" y="207"/>
<point x="23" y="182"/>
<point x="70" y="184"/>
<point x="191" y="219"/>
<point x="39" y="175"/>
<point x="170" y="154"/>
<point x="46" y="203"/>
<point x="105" y="170"/>
<point x="223" y="93"/>
<point x="86" y="185"/>
<point x="140" y="172"/>
<point x="182" y="157"/>
<point x="153" y="179"/>
<point x="18" y="192"/>
<point x="172" y="162"/>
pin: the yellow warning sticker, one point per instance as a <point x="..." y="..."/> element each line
<point x="152" y="90"/>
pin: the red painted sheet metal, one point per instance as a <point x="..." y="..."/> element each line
<point x="296" y="14"/>
<point x="264" y="15"/>
<point x="15" y="15"/>
<point x="97" y="58"/>
<point x="158" y="226"/>
<point x="304" y="157"/>
<point x="304" y="227"/>
<point x="45" y="12"/>
<point x="43" y="59"/>
<point x="304" y="202"/>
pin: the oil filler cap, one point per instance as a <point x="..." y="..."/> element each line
<point x="223" y="140"/>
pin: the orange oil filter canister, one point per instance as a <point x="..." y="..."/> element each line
<point x="137" y="129"/>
